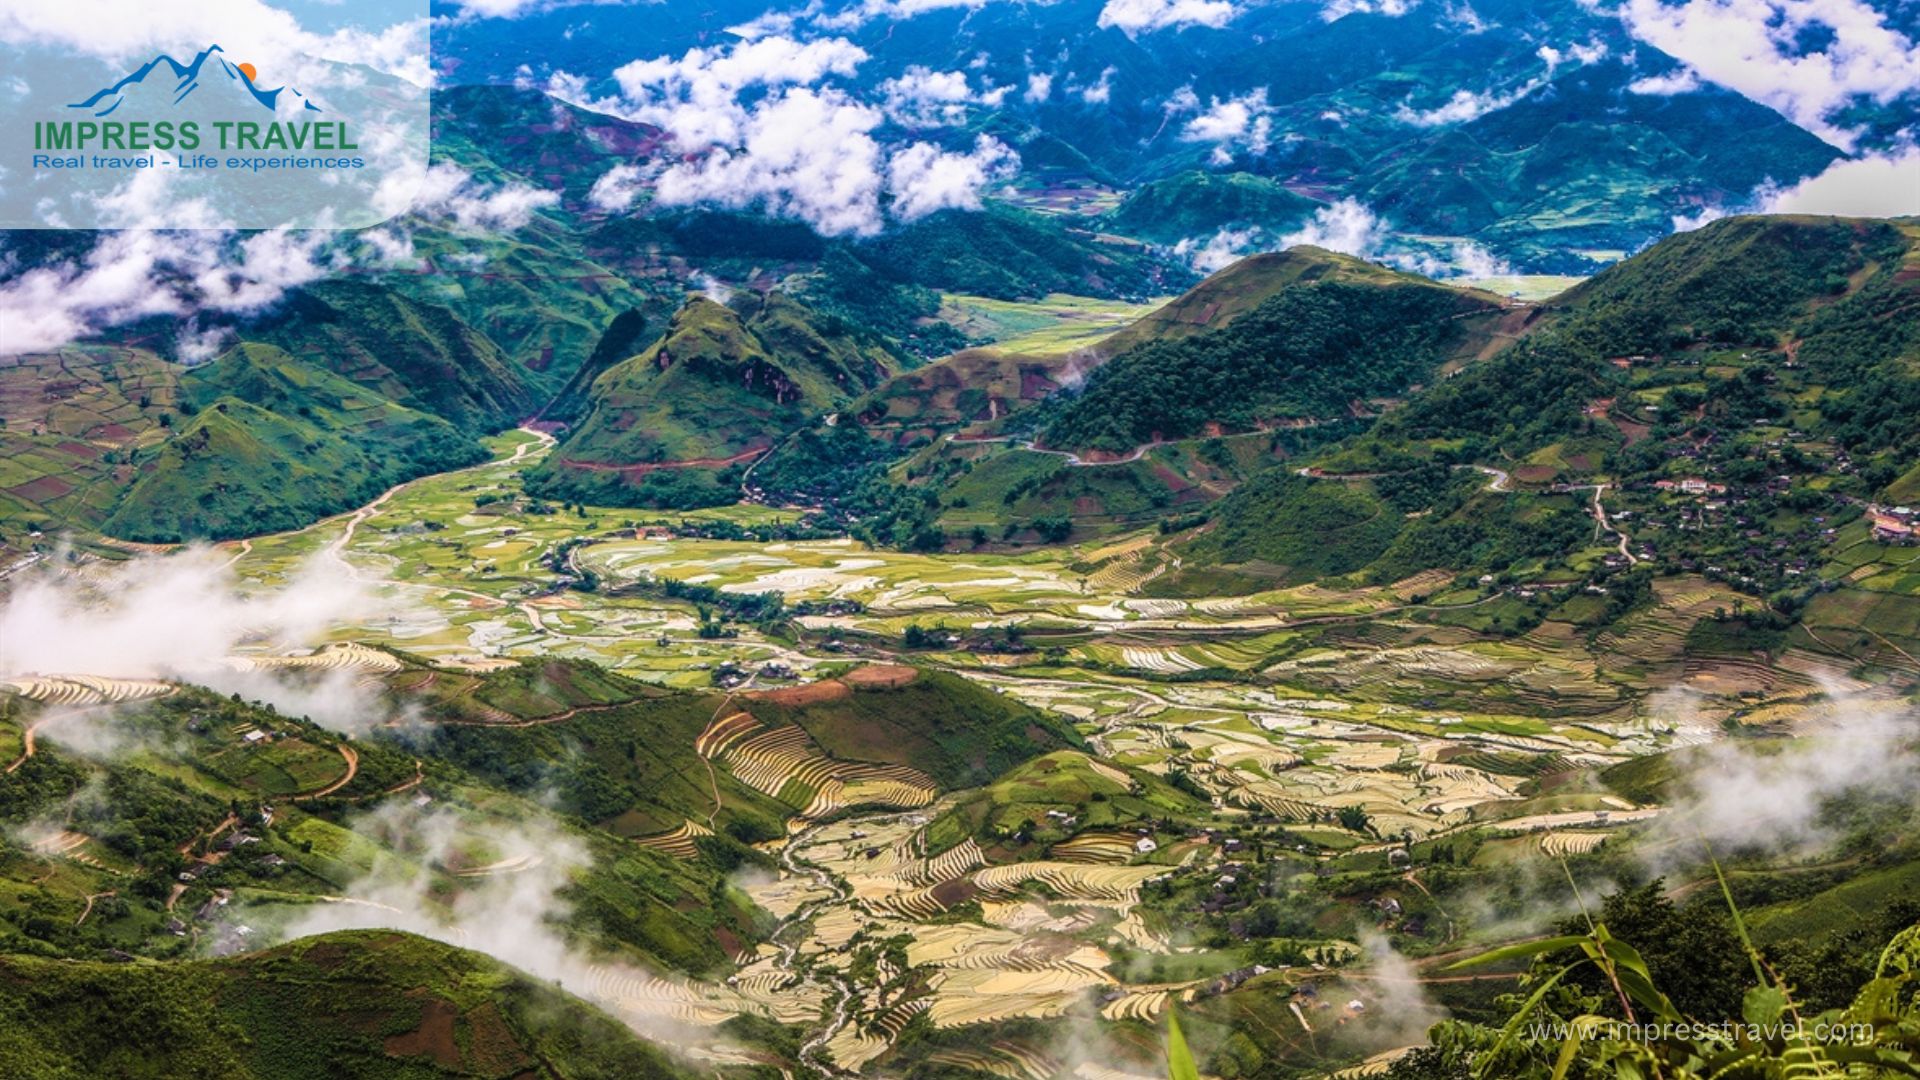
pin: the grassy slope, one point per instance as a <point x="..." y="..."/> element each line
<point x="954" y="730"/>
<point x="718" y="385"/>
<point x="1737" y="281"/>
<point x="1303" y="334"/>
<point x="1193" y="204"/>
<point x="1063" y="781"/>
<point x="1828" y="288"/>
<point x="1243" y="286"/>
<point x="366" y="1004"/>
<point x="275" y="444"/>
<point x="666" y="912"/>
<point x="418" y="354"/>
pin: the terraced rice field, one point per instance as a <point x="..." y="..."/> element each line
<point x="651" y="997"/>
<point x="1347" y="698"/>
<point x="784" y="762"/>
<point x="82" y="690"/>
<point x="1564" y="843"/>
<point x="1069" y="881"/>
<point x="1095" y="847"/>
<point x="339" y="656"/>
<point x="679" y="843"/>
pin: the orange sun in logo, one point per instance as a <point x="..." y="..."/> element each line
<point x="250" y="72"/>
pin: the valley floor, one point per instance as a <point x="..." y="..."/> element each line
<point x="1351" y="724"/>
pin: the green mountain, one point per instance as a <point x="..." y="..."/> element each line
<point x="1009" y="253"/>
<point x="988" y="384"/>
<point x="618" y="341"/>
<point x="367" y="1004"/>
<point x="1766" y="361"/>
<point x="270" y="444"/>
<point x="1198" y="204"/>
<point x="1231" y="292"/>
<point x="1325" y="335"/>
<point x="418" y="354"/>
<point x="1776" y="284"/>
<point x="719" y="388"/>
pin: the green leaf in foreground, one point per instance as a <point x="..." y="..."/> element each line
<point x="1180" y="1064"/>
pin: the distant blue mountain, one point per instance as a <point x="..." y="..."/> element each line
<point x="186" y="78"/>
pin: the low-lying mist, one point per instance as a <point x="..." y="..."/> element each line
<point x="180" y="616"/>
<point x="507" y="901"/>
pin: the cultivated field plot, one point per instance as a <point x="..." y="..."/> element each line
<point x="1052" y="325"/>
<point x="783" y="761"/>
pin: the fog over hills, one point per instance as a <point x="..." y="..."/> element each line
<point x="947" y="539"/>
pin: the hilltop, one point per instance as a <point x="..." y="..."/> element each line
<point x="1761" y="360"/>
<point x="376" y="1003"/>
<point x="1271" y="340"/>
<point x="672" y="425"/>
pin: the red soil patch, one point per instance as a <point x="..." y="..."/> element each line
<point x="955" y="891"/>
<point x="1633" y="431"/>
<point x="493" y="1049"/>
<point x="434" y="1037"/>
<point x="806" y="694"/>
<point x="77" y="449"/>
<point x="41" y="489"/>
<point x="1036" y="383"/>
<point x="1174" y="481"/>
<point x="887" y="675"/>
<point x="1535" y="474"/>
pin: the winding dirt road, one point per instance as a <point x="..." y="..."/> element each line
<point x="353" y="770"/>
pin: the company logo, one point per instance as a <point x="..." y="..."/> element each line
<point x="192" y="135"/>
<point x="225" y="77"/>
<point x="167" y="105"/>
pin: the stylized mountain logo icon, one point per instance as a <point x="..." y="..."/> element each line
<point x="185" y="79"/>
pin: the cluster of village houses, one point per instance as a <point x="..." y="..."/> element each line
<point x="1894" y="524"/>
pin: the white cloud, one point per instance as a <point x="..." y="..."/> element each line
<point x="450" y="194"/>
<point x="802" y="153"/>
<point x="270" y="263"/>
<point x="1677" y="81"/>
<point x="197" y="345"/>
<point x="1463" y="106"/>
<point x="136" y="274"/>
<point x="763" y="124"/>
<point x="1351" y="228"/>
<point x="165" y="616"/>
<point x="766" y="24"/>
<point x="1346" y="226"/>
<point x="1749" y="46"/>
<point x="1217" y="252"/>
<point x="1339" y="9"/>
<point x="1737" y="798"/>
<point x="922" y="97"/>
<point x="703" y="98"/>
<point x="867" y="10"/>
<point x="1466" y="105"/>
<point x="1464" y="17"/>
<point x="1880" y="186"/>
<point x="515" y="9"/>
<point x="1239" y="122"/>
<point x="616" y="189"/>
<point x="1039" y="87"/>
<point x="1699" y="219"/>
<point x="924" y="179"/>
<point x="1099" y="92"/>
<point x="1134" y="16"/>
